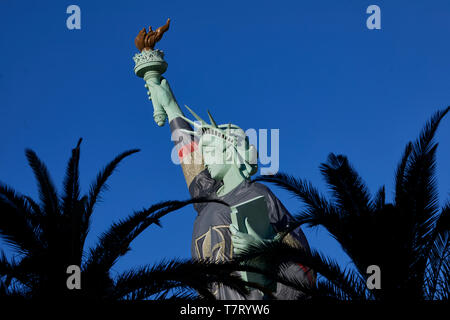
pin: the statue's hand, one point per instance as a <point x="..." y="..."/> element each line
<point x="243" y="241"/>
<point x="162" y="95"/>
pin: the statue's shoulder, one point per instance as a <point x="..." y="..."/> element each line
<point x="259" y="187"/>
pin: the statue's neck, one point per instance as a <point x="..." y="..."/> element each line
<point x="231" y="180"/>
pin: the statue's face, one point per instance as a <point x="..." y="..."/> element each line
<point x="217" y="159"/>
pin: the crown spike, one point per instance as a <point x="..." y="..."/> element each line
<point x="213" y="123"/>
<point x="195" y="115"/>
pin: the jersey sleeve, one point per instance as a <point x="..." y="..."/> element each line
<point x="187" y="149"/>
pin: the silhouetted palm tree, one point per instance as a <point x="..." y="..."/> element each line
<point x="50" y="236"/>
<point x="408" y="239"/>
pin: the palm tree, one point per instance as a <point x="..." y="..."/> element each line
<point x="50" y="236"/>
<point x="407" y="239"/>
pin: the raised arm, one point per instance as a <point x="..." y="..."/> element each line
<point x="150" y="65"/>
<point x="186" y="145"/>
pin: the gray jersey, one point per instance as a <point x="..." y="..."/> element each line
<point x="211" y="238"/>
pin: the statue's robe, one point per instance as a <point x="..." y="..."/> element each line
<point x="211" y="238"/>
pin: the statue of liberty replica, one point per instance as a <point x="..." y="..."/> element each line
<point x="218" y="162"/>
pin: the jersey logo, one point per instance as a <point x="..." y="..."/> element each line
<point x="222" y="249"/>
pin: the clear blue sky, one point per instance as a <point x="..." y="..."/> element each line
<point x="310" y="68"/>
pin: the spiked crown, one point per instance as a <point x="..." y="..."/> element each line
<point x="233" y="136"/>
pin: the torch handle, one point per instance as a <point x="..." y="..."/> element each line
<point x="159" y="115"/>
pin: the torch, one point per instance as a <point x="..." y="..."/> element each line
<point x="150" y="64"/>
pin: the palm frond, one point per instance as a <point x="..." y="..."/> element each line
<point x="419" y="200"/>
<point x="198" y="275"/>
<point x="12" y="272"/>
<point x="400" y="174"/>
<point x="379" y="200"/>
<point x="178" y="294"/>
<point x="99" y="184"/>
<point x="172" y="292"/>
<point x="71" y="182"/>
<point x="277" y="254"/>
<point x="318" y="211"/>
<point x="12" y="290"/>
<point x="73" y="209"/>
<point x="443" y="292"/>
<point x="419" y="175"/>
<point x="46" y="188"/>
<point x="438" y="258"/>
<point x="115" y="242"/>
<point x="439" y="261"/>
<point x="37" y="216"/>
<point x="442" y="223"/>
<point x="328" y="290"/>
<point x="6" y="269"/>
<point x="350" y="192"/>
<point x="16" y="221"/>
